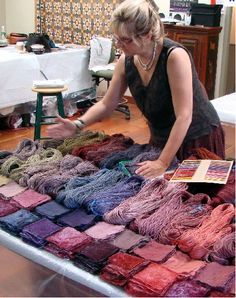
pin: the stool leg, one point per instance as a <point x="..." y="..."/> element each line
<point x="60" y="105"/>
<point x="38" y="117"/>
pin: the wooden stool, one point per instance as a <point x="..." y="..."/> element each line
<point x="41" y="92"/>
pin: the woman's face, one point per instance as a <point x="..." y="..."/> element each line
<point x="128" y="45"/>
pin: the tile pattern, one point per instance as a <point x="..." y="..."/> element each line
<point x="74" y="21"/>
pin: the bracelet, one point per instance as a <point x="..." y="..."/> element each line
<point x="79" y="123"/>
<point x="164" y="163"/>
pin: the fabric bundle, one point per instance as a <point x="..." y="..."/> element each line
<point x="111" y="161"/>
<point x="94" y="256"/>
<point x="183" y="265"/>
<point x="52" y="210"/>
<point x="6" y="207"/>
<point x="4" y="180"/>
<point x="103" y="230"/>
<point x="216" y="276"/>
<point x="151" y="196"/>
<point x="152" y="281"/>
<point x="13" y="223"/>
<point x="127" y="240"/>
<point x="4" y="155"/>
<point x="78" y="219"/>
<point x="37" y="232"/>
<point x="29" y="199"/>
<point x="83" y="138"/>
<point x="223" y="251"/>
<point x="197" y="242"/>
<point x="67" y="242"/>
<point x="152" y="154"/>
<point x="106" y="200"/>
<point x="121" y="267"/>
<point x="187" y="288"/>
<point x="180" y="212"/>
<point x="80" y="188"/>
<point x="117" y="142"/>
<point x="10" y="190"/>
<point x="154" y="251"/>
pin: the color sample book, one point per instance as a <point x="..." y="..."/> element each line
<point x="209" y="171"/>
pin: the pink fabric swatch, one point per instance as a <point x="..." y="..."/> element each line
<point x="184" y="265"/>
<point x="103" y="230"/>
<point x="11" y="189"/>
<point x="29" y="199"/>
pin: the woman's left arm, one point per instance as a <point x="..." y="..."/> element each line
<point x="180" y="79"/>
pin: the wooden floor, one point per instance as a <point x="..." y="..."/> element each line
<point x="20" y="277"/>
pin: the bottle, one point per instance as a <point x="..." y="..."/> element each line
<point x="3" y="39"/>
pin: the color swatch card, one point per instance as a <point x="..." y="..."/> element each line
<point x="209" y="171"/>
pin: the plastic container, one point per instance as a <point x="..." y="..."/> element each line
<point x="205" y="14"/>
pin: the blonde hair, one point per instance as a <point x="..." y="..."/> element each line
<point x="134" y="18"/>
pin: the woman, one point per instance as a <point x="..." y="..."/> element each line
<point x="163" y="81"/>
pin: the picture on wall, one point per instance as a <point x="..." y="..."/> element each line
<point x="180" y="5"/>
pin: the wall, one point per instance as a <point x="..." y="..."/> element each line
<point x="20" y="16"/>
<point x="2" y="13"/>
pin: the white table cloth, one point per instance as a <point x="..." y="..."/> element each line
<point x="19" y="70"/>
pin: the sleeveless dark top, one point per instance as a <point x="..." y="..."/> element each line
<point x="155" y="101"/>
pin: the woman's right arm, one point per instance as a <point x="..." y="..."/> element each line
<point x="103" y="108"/>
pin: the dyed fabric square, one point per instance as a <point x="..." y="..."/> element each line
<point x="11" y="189"/>
<point x="94" y="256"/>
<point x="29" y="199"/>
<point x="121" y="267"/>
<point x="184" y="265"/>
<point x="78" y="219"/>
<point x="6" y="208"/>
<point x="103" y="230"/>
<point x="51" y="210"/>
<point x="217" y="276"/>
<point x="15" y="222"/>
<point x="155" y="251"/>
<point x="152" y="281"/>
<point x="187" y="288"/>
<point x="37" y="232"/>
<point x="127" y="240"/>
<point x="66" y="242"/>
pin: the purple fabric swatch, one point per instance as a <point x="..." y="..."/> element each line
<point x="29" y="199"/>
<point x="94" y="256"/>
<point x="78" y="219"/>
<point x="37" y="232"/>
<point x="51" y="210"/>
<point x="15" y="222"/>
<point x="187" y="288"/>
<point x="6" y="208"/>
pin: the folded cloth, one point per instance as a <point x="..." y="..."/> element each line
<point x="15" y="222"/>
<point x="66" y="242"/>
<point x="4" y="180"/>
<point x="51" y="210"/>
<point x="11" y="189"/>
<point x="78" y="219"/>
<point x="37" y="232"/>
<point x="103" y="230"/>
<point x="152" y="281"/>
<point x="29" y="199"/>
<point x="94" y="256"/>
<point x="121" y="267"/>
<point x="155" y="251"/>
<point x="184" y="265"/>
<point x="6" y="207"/>
<point x="216" y="276"/>
<point x="187" y="288"/>
<point x="128" y="240"/>
<point x="57" y="83"/>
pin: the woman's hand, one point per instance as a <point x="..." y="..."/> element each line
<point x="151" y="169"/>
<point x="64" y="129"/>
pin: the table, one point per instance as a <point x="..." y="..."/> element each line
<point x="18" y="70"/>
<point x="60" y="266"/>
